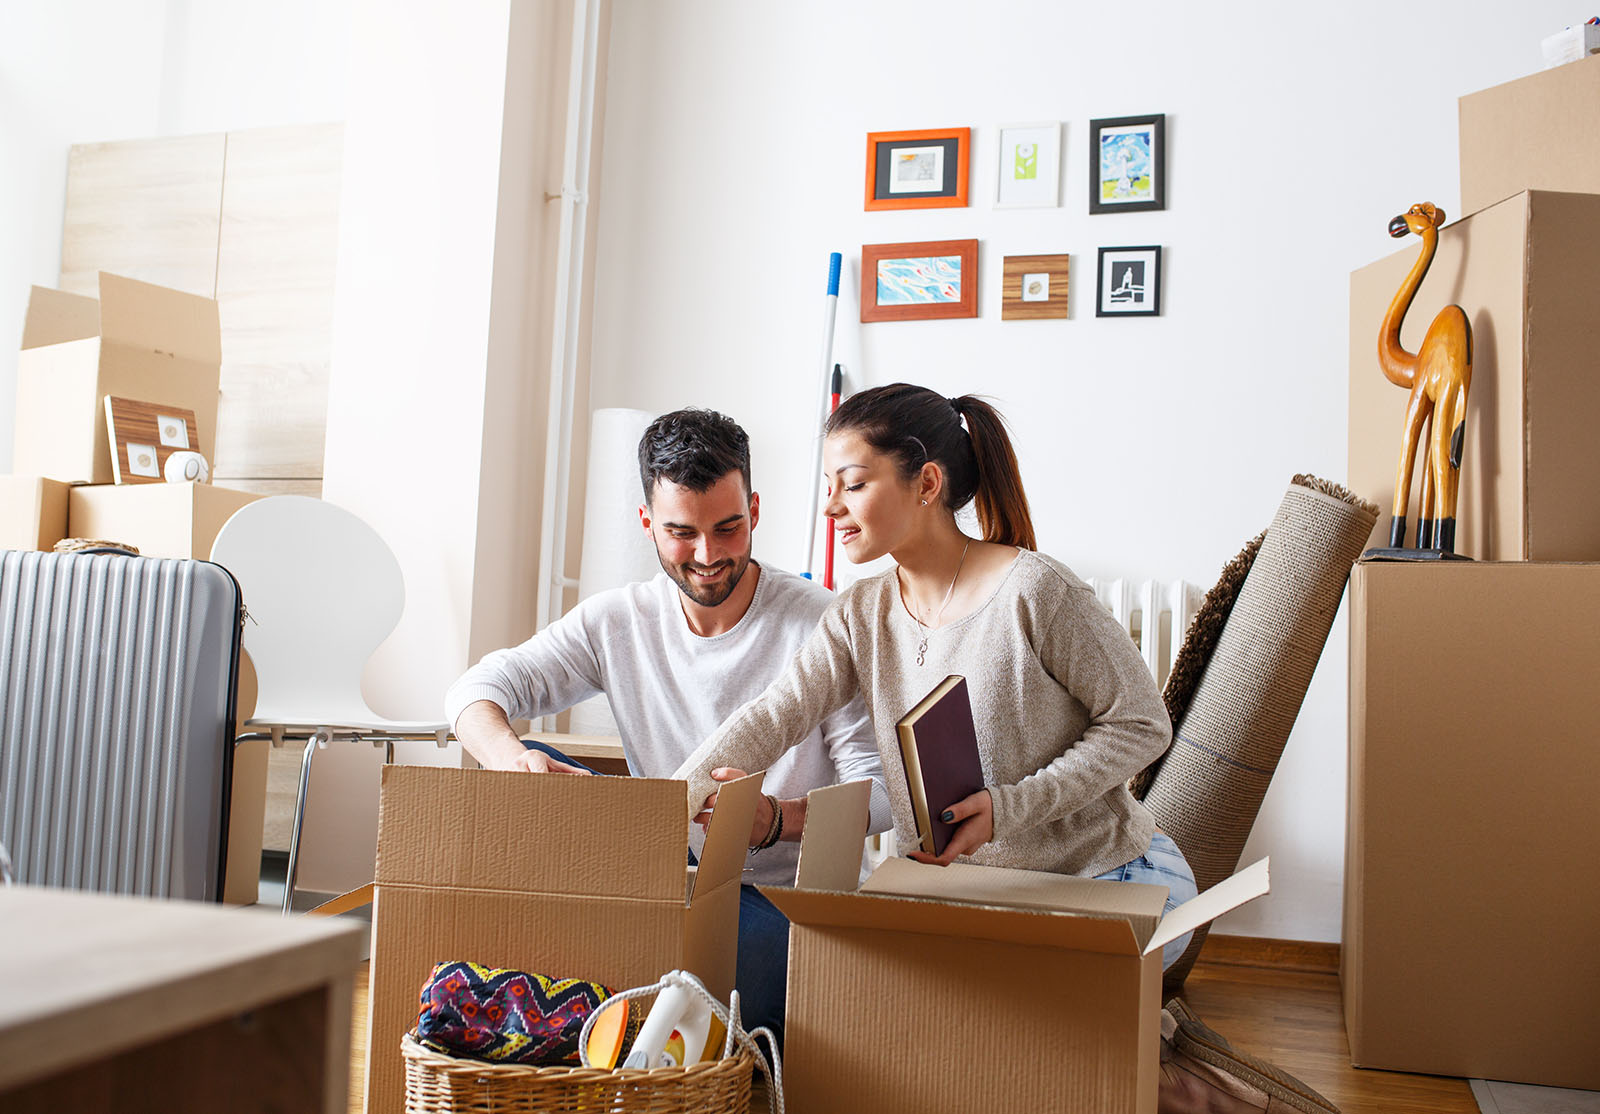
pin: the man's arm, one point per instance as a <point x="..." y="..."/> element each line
<point x="550" y="672"/>
<point x="486" y="733"/>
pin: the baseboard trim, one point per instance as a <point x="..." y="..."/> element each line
<point x="1308" y="956"/>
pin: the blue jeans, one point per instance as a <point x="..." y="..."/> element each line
<point x="1162" y="865"/>
<point x="761" y="971"/>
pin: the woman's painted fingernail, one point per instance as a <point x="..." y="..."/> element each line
<point x="948" y="816"/>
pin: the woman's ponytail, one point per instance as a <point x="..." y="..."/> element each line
<point x="998" y="497"/>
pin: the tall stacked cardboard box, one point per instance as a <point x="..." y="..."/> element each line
<point x="139" y="341"/>
<point x="1472" y="879"/>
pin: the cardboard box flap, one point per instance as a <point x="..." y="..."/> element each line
<point x="1139" y="905"/>
<point x="1247" y="885"/>
<point x="55" y="317"/>
<point x="727" y="835"/>
<point x="154" y="318"/>
<point x="532" y="833"/>
<point x="830" y="848"/>
<point x="1112" y="935"/>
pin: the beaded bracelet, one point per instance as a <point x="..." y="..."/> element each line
<point x="775" y="832"/>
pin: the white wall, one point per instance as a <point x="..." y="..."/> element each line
<point x="734" y="164"/>
<point x="91" y="71"/>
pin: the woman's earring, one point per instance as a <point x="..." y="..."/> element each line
<point x="924" y="502"/>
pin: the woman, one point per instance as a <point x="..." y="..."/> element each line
<point x="1065" y="709"/>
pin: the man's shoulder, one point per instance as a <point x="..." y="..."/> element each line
<point x="785" y="594"/>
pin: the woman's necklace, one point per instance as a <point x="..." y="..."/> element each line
<point x="922" y="647"/>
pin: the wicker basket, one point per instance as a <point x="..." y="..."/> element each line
<point x="436" y="1084"/>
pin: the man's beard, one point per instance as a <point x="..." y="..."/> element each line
<point x="707" y="595"/>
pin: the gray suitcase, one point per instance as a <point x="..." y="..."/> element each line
<point x="117" y="683"/>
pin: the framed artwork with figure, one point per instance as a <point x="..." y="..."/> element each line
<point x="1128" y="164"/>
<point x="1129" y="282"/>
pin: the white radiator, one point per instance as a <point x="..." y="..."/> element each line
<point x="1155" y="614"/>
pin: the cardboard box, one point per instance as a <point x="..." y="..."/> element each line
<point x="137" y="341"/>
<point x="1525" y="272"/>
<point x="163" y="520"/>
<point x="580" y="877"/>
<point x="1471" y="893"/>
<point x="33" y="512"/>
<point x="1535" y="133"/>
<point x="969" y="987"/>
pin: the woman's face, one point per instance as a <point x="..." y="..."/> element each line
<point x="872" y="505"/>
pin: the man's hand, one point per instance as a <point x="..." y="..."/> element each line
<point x="974" y="820"/>
<point x="538" y="762"/>
<point x="486" y="733"/>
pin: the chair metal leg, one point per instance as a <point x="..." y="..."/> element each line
<point x="317" y="738"/>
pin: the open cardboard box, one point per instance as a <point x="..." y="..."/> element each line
<point x="138" y="341"/>
<point x="1525" y="271"/>
<point x="970" y="987"/>
<point x="581" y="877"/>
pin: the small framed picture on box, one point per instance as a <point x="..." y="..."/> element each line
<point x="1029" y="171"/>
<point x="919" y="281"/>
<point x="917" y="169"/>
<point x="1127" y="164"/>
<point x="1129" y="283"/>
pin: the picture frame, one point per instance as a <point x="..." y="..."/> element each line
<point x="924" y="169"/>
<point x="1028" y="168"/>
<point x="1129" y="282"/>
<point x="143" y="435"/>
<point x="919" y="281"/>
<point x="1128" y="164"/>
<point x="1034" y="287"/>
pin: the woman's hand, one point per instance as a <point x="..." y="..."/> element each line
<point x="758" y="827"/>
<point x="974" y="820"/>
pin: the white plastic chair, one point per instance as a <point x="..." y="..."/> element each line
<point x="321" y="591"/>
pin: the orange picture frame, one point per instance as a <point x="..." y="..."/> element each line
<point x="924" y="169"/>
<point x="920" y="281"/>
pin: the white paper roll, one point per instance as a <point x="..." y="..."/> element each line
<point x="616" y="550"/>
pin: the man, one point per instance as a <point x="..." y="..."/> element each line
<point x="675" y="656"/>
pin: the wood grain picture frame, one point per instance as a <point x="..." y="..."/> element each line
<point x="919" y="281"/>
<point x="1129" y="282"/>
<point x="143" y="435"/>
<point x="1033" y="287"/>
<point x="1128" y="164"/>
<point x="917" y="169"/>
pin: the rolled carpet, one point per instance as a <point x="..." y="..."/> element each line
<point x="1225" y="747"/>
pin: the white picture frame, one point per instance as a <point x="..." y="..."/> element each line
<point x="1028" y="166"/>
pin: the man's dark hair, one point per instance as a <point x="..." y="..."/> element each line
<point x="692" y="448"/>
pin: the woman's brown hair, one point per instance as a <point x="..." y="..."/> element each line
<point x="914" y="425"/>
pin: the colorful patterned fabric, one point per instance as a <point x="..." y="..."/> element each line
<point x="505" y="1016"/>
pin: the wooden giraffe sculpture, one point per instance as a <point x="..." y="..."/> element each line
<point x="1438" y="377"/>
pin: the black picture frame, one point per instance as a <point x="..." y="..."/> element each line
<point x="1123" y="152"/>
<point x="1128" y="282"/>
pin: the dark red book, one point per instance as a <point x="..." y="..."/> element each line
<point x="939" y="748"/>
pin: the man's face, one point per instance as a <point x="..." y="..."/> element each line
<point x="702" y="538"/>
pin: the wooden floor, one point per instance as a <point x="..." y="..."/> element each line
<point x="1279" y="1002"/>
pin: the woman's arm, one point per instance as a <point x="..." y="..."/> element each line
<point x="1085" y="650"/>
<point x="820" y="680"/>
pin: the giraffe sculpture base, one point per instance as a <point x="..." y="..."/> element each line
<point x="1401" y="554"/>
